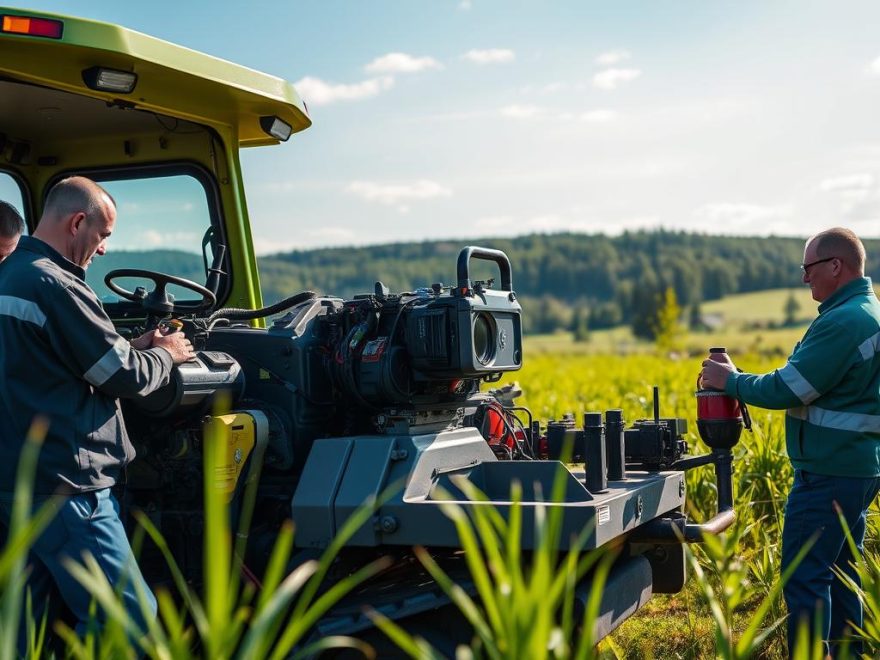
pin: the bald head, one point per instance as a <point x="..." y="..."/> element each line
<point x="76" y="194"/>
<point x="11" y="228"/>
<point x="841" y="243"/>
<point x="832" y="259"/>
<point x="77" y="219"/>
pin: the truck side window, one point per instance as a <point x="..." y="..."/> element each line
<point x="10" y="192"/>
<point x="160" y="223"/>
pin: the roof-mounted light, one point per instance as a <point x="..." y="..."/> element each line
<point x="276" y="127"/>
<point x="32" y="26"/>
<point x="109" y="80"/>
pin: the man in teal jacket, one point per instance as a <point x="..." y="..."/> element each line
<point x="830" y="387"/>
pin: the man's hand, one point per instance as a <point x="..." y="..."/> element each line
<point x="143" y="342"/>
<point x="176" y="344"/>
<point x="714" y="374"/>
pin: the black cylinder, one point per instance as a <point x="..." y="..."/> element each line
<point x="594" y="452"/>
<point x="565" y="442"/>
<point x="724" y="478"/>
<point x="614" y="447"/>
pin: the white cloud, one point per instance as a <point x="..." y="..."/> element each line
<point x="402" y="63"/>
<point x="858" y="194"/>
<point x="264" y="246"/>
<point x="524" y="111"/>
<point x="848" y="184"/>
<point x="154" y="239"/>
<point x="465" y="5"/>
<point x="612" y="57"/>
<point x="874" y="67"/>
<point x="493" y="223"/>
<point x="551" y="88"/>
<point x="598" y="116"/>
<point x="612" y="78"/>
<point x="490" y="56"/>
<point x="319" y="92"/>
<point x="521" y="111"/>
<point x="548" y="222"/>
<point x="308" y="239"/>
<point x="737" y="218"/>
<point x="393" y="194"/>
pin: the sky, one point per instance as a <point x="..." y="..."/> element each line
<point x="482" y="118"/>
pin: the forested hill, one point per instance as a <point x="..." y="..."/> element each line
<point x="613" y="279"/>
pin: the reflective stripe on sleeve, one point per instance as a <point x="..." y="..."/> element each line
<point x="23" y="310"/>
<point x="870" y="347"/>
<point x="834" y="419"/>
<point x="111" y="362"/>
<point x="801" y="387"/>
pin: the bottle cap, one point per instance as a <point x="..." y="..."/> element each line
<point x="593" y="419"/>
<point x="614" y="416"/>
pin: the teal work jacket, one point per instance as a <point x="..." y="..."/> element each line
<point x="830" y="387"/>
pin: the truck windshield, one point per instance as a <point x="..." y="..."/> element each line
<point x="10" y="192"/>
<point x="160" y="223"/>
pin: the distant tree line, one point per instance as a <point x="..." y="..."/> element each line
<point x="564" y="281"/>
<point x="572" y="282"/>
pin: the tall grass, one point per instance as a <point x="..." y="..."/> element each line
<point x="24" y="528"/>
<point x="226" y="620"/>
<point x="525" y="603"/>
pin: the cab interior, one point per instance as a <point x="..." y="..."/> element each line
<point x="163" y="172"/>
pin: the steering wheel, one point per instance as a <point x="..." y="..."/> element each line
<point x="159" y="301"/>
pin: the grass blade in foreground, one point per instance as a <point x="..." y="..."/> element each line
<point x="24" y="528"/>
<point x="524" y="604"/>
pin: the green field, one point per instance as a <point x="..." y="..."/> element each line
<point x="747" y="323"/>
<point x="762" y="306"/>
<point x="620" y="341"/>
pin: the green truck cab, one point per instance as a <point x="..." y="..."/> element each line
<point x="159" y="125"/>
<point x="330" y="402"/>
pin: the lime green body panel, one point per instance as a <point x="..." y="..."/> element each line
<point x="172" y="80"/>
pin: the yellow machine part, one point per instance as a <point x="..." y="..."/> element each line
<point x="236" y="435"/>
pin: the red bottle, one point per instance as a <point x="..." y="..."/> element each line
<point x="720" y="418"/>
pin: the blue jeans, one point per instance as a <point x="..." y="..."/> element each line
<point x="813" y="589"/>
<point x="88" y="522"/>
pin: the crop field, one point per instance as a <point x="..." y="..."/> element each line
<point x="741" y="574"/>
<point x="762" y="306"/>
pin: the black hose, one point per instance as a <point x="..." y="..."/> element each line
<point x="239" y="314"/>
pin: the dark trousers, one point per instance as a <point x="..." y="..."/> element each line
<point x="813" y="589"/>
<point x="85" y="523"/>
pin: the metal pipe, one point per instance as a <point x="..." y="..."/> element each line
<point x="614" y="445"/>
<point x="724" y="478"/>
<point x="692" y="462"/>
<point x="678" y="530"/>
<point x="594" y="453"/>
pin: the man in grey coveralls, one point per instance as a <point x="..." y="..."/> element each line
<point x="61" y="358"/>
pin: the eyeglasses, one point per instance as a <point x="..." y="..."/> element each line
<point x="806" y="267"/>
